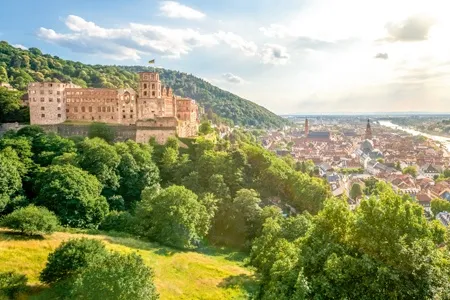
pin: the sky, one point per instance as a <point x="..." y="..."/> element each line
<point x="291" y="56"/>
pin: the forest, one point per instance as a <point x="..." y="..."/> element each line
<point x="191" y="193"/>
<point x="20" y="67"/>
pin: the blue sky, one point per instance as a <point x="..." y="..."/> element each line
<point x="291" y="56"/>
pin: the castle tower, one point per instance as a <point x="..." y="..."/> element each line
<point x="368" y="131"/>
<point x="306" y="127"/>
<point x="150" y="101"/>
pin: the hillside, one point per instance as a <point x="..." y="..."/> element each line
<point x="178" y="274"/>
<point x="20" y="67"/>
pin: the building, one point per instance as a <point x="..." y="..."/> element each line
<point x="47" y="102"/>
<point x="444" y="218"/>
<point x="154" y="110"/>
<point x="368" y="135"/>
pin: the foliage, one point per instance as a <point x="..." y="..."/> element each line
<point x="70" y="258"/>
<point x="10" y="180"/>
<point x="174" y="217"/>
<point x="386" y="249"/>
<point x="439" y="205"/>
<point x="101" y="130"/>
<point x="72" y="194"/>
<point x="11" y="284"/>
<point x="31" y="220"/>
<point x="356" y="191"/>
<point x="119" y="221"/>
<point x="10" y="102"/>
<point x="115" y="276"/>
<point x="25" y="66"/>
<point x="411" y="170"/>
<point x="205" y="128"/>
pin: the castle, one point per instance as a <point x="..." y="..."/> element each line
<point x="154" y="111"/>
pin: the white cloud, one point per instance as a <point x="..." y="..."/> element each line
<point x="229" y="77"/>
<point x="20" y="46"/>
<point x="274" y="54"/>
<point x="237" y="42"/>
<point x="174" y="9"/>
<point x="278" y="31"/>
<point x="130" y="42"/>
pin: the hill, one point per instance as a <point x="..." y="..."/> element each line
<point x="20" y="67"/>
<point x="178" y="274"/>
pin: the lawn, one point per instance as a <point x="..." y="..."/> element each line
<point x="207" y="274"/>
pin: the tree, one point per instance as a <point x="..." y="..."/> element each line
<point x="356" y="191"/>
<point x="100" y="159"/>
<point x="116" y="276"/>
<point x="411" y="170"/>
<point x="11" y="284"/>
<point x="174" y="217"/>
<point x="9" y="102"/>
<point x="10" y="180"/>
<point x="101" y="130"/>
<point x="70" y="258"/>
<point x="72" y="194"/>
<point x="439" y="205"/>
<point x="31" y="220"/>
<point x="205" y="128"/>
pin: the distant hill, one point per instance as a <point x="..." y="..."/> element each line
<point x="20" y="67"/>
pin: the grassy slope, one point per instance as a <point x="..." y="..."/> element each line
<point x="214" y="274"/>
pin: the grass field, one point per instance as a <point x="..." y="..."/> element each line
<point x="208" y="274"/>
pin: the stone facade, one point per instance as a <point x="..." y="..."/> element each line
<point x="47" y="102"/>
<point x="153" y="108"/>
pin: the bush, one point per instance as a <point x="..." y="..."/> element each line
<point x="116" y="276"/>
<point x="119" y="221"/>
<point x="31" y="220"/>
<point x="70" y="258"/>
<point x="12" y="283"/>
<point x="102" y="131"/>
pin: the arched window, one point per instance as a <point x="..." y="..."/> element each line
<point x="145" y="85"/>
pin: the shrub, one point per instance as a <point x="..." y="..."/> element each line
<point x="12" y="283"/>
<point x="116" y="276"/>
<point x="119" y="221"/>
<point x="70" y="258"/>
<point x="31" y="220"/>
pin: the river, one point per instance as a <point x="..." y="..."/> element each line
<point x="442" y="140"/>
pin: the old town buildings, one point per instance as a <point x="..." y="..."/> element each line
<point x="154" y="111"/>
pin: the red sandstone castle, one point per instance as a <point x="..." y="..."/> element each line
<point x="154" y="110"/>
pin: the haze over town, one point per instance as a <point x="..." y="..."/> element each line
<point x="302" y="56"/>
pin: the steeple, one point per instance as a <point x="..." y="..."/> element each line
<point x="368" y="131"/>
<point x="306" y="127"/>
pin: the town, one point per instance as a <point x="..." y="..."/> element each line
<point x="351" y="153"/>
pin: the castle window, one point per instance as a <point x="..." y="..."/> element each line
<point x="153" y="93"/>
<point x="90" y="108"/>
<point x="43" y="116"/>
<point x="93" y="118"/>
<point x="124" y="116"/>
<point x="145" y="93"/>
<point x="99" y="109"/>
<point x="83" y="117"/>
<point x="145" y="85"/>
<point x="109" y="108"/>
<point x="59" y="115"/>
<point x="112" y="117"/>
<point x="131" y="116"/>
<point x="75" y="109"/>
<point x="99" y="117"/>
<point x="58" y="93"/>
<point x="131" y="110"/>
<point x="82" y="109"/>
<point x="42" y="92"/>
<point x="42" y="108"/>
<point x="58" y="100"/>
<point x="50" y="84"/>
<point x="59" y="108"/>
<point x="50" y="99"/>
<point x="50" y="92"/>
<point x="67" y="110"/>
<point x="153" y="86"/>
<point x="103" y="109"/>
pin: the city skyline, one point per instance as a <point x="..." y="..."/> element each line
<point x="296" y="58"/>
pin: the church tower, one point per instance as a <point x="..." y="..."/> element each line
<point x="368" y="131"/>
<point x="306" y="127"/>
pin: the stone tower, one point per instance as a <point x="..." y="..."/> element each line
<point x="149" y="95"/>
<point x="306" y="127"/>
<point x="368" y="131"/>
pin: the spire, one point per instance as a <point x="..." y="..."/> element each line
<point x="368" y="131"/>
<point x="306" y="127"/>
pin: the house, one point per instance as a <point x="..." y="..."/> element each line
<point x="324" y="168"/>
<point x="424" y="198"/>
<point x="430" y="170"/>
<point x="444" y="218"/>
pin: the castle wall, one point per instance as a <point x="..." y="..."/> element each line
<point x="47" y="102"/>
